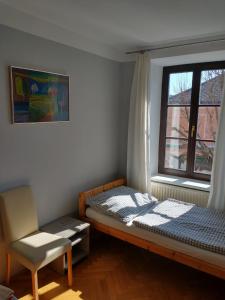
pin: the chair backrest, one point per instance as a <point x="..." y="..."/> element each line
<point x="18" y="213"/>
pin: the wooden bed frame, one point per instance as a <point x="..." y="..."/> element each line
<point x="151" y="246"/>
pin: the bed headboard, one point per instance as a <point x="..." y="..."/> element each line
<point x="83" y="196"/>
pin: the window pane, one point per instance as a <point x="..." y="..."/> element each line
<point x="176" y="154"/>
<point x="178" y="121"/>
<point x="180" y="85"/>
<point x="204" y="157"/>
<point x="211" y="89"/>
<point x="208" y="118"/>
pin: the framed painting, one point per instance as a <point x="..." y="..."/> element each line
<point x="38" y="96"/>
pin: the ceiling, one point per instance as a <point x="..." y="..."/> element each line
<point x="116" y="26"/>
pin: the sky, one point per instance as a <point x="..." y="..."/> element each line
<point x="184" y="80"/>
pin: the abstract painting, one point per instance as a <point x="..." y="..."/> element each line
<point x="38" y="96"/>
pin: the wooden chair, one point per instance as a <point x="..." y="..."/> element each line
<point x="32" y="248"/>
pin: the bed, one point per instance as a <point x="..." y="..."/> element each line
<point x="200" y="259"/>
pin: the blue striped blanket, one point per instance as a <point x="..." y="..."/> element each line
<point x="186" y="222"/>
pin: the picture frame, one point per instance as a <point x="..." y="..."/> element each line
<point x="38" y="96"/>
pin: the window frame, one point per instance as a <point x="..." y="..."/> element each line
<point x="196" y="68"/>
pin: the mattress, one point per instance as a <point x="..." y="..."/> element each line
<point x="210" y="257"/>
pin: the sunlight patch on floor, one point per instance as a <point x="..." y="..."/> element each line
<point x="55" y="291"/>
<point x="48" y="288"/>
<point x="27" y="297"/>
<point x="69" y="294"/>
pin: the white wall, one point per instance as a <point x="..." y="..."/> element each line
<point x="60" y="159"/>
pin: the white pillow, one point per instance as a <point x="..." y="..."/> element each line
<point x="123" y="203"/>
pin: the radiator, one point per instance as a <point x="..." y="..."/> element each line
<point x="163" y="191"/>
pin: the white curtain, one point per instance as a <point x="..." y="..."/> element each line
<point x="217" y="190"/>
<point x="138" y="156"/>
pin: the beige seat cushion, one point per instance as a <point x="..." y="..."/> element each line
<point x="39" y="249"/>
<point x="18" y="213"/>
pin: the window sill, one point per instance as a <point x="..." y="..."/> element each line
<point x="182" y="182"/>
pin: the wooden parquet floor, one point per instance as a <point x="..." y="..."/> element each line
<point x="116" y="270"/>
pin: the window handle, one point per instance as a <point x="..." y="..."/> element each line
<point x="192" y="130"/>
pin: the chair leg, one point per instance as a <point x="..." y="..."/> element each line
<point x="8" y="268"/>
<point x="69" y="264"/>
<point x="35" y="284"/>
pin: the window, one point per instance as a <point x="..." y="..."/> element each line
<point x="191" y="98"/>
